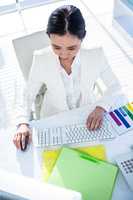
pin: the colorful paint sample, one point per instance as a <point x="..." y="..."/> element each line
<point x="115" y="118"/>
<point x="123" y="120"/>
<point x="128" y="112"/>
<point x="130" y="107"/>
<point x="122" y="112"/>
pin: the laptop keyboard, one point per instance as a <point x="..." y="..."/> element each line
<point x="71" y="134"/>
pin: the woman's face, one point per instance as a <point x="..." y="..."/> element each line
<point x="66" y="46"/>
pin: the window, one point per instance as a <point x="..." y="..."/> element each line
<point x="30" y="3"/>
<point x="12" y="5"/>
<point x="7" y="6"/>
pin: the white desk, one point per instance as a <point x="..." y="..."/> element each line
<point x="31" y="189"/>
<point x="29" y="163"/>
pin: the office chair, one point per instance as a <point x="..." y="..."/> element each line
<point x="2" y="62"/>
<point x="25" y="46"/>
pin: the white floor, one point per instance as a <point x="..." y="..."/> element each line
<point x="100" y="32"/>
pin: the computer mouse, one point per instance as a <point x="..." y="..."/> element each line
<point x="23" y="148"/>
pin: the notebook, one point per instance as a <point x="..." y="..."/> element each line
<point x="90" y="176"/>
<point x="49" y="157"/>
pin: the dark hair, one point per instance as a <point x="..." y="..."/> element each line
<point x="66" y="19"/>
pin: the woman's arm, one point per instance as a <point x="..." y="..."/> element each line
<point x="26" y="93"/>
<point x="25" y="96"/>
<point x="109" y="88"/>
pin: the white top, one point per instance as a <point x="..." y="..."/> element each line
<point x="92" y="82"/>
<point x="72" y="83"/>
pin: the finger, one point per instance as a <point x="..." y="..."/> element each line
<point x="89" y="121"/>
<point x="101" y="122"/>
<point x="28" y="134"/>
<point x="30" y="138"/>
<point x="97" y="124"/>
<point x="22" y="142"/>
<point x="14" y="139"/>
<point x="25" y="140"/>
<point x="92" y="127"/>
<point x="18" y="139"/>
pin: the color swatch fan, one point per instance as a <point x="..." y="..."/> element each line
<point x="122" y="118"/>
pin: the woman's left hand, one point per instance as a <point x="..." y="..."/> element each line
<point x="95" y="118"/>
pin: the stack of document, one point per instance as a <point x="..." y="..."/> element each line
<point x="49" y="157"/>
<point x="92" y="177"/>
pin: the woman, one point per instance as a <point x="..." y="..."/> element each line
<point x="69" y="73"/>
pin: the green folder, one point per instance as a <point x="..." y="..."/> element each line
<point x="92" y="177"/>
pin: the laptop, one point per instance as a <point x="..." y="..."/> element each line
<point x="18" y="187"/>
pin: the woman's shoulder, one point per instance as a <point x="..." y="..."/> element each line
<point x="94" y="50"/>
<point x="42" y="52"/>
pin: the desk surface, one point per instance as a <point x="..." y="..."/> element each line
<point x="29" y="163"/>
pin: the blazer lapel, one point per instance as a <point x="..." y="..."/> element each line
<point x="86" y="81"/>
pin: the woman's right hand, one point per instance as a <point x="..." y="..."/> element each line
<point x="19" y="139"/>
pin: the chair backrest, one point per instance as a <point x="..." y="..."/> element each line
<point x="25" y="46"/>
<point x="2" y="63"/>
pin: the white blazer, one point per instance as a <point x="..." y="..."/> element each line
<point x="95" y="71"/>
